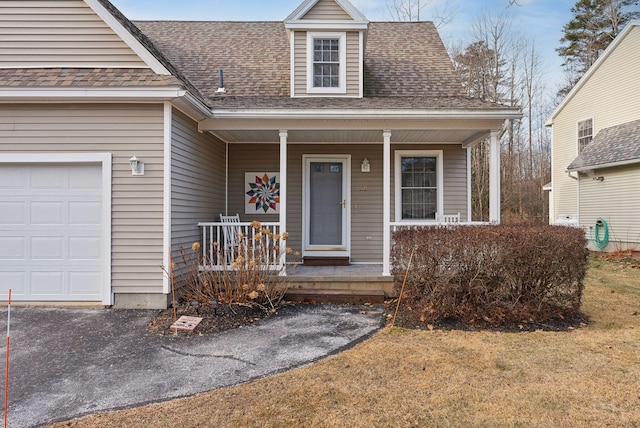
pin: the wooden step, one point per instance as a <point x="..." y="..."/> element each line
<point x="319" y="295"/>
<point x="325" y="261"/>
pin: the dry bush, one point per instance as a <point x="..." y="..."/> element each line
<point x="250" y="278"/>
<point x="492" y="274"/>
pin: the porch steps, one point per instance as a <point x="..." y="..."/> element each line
<point x="365" y="288"/>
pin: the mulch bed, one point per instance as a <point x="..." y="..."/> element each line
<point x="409" y="318"/>
<point x="225" y="317"/>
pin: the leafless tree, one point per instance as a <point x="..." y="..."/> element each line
<point x="502" y="66"/>
<point x="414" y="10"/>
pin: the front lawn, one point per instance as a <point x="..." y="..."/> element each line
<point x="583" y="377"/>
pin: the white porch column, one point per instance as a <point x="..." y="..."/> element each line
<point x="386" y="204"/>
<point x="494" y="177"/>
<point x="283" y="193"/>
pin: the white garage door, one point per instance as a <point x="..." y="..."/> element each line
<point x="50" y="232"/>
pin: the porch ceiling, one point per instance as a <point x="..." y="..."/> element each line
<point x="352" y="136"/>
<point x="460" y="131"/>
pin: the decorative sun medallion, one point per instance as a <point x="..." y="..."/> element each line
<point x="264" y="192"/>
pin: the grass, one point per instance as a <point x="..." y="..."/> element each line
<point x="581" y="378"/>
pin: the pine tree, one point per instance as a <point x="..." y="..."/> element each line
<point x="594" y="25"/>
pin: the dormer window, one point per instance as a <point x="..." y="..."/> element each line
<point x="326" y="63"/>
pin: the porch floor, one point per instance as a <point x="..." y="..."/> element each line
<point x="351" y="271"/>
<point x="339" y="284"/>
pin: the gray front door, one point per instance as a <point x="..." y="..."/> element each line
<point x="326" y="205"/>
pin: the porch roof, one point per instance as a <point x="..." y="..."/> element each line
<point x="614" y="146"/>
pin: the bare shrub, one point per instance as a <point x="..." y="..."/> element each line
<point x="250" y="278"/>
<point x="492" y="274"/>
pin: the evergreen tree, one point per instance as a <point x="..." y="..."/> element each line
<point x="594" y="25"/>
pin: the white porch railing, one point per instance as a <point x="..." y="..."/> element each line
<point x="395" y="225"/>
<point x="223" y="242"/>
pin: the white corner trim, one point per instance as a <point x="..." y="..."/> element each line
<point x="105" y="161"/>
<point x="166" y="228"/>
<point x="292" y="61"/>
<point x="128" y="38"/>
<point x="361" y="65"/>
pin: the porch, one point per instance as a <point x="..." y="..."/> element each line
<point x="353" y="283"/>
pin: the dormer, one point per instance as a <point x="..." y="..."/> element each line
<point x="327" y="49"/>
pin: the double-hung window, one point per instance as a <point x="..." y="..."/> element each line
<point x="418" y="180"/>
<point x="326" y="63"/>
<point x="585" y="134"/>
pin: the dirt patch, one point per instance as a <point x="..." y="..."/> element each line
<point x="225" y="317"/>
<point x="409" y="318"/>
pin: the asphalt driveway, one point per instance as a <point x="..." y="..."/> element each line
<point x="70" y="362"/>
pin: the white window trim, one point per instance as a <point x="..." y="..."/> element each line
<point x="342" y="46"/>
<point x="399" y="154"/>
<point x="593" y="133"/>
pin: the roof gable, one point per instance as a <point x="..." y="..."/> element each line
<point x="323" y="14"/>
<point x="632" y="26"/>
<point x="68" y="34"/>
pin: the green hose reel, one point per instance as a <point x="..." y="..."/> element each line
<point x="601" y="228"/>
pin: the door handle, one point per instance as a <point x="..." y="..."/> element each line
<point x="344" y="203"/>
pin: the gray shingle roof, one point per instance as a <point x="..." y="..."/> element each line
<point x="83" y="77"/>
<point x="614" y="145"/>
<point x="406" y="65"/>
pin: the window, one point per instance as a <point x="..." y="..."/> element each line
<point x="418" y="185"/>
<point x="585" y="134"/>
<point x="326" y="63"/>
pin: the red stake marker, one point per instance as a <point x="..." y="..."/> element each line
<point x="6" y="370"/>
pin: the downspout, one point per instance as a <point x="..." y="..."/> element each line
<point x="577" y="178"/>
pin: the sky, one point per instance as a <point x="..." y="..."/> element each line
<point x="538" y="20"/>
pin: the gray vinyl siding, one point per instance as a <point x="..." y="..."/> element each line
<point x="137" y="202"/>
<point x="354" y="67"/>
<point x="59" y="33"/>
<point x="366" y="188"/>
<point x="300" y="63"/>
<point x="610" y="200"/>
<point x="197" y="180"/>
<point x="327" y="10"/>
<point x="353" y="64"/>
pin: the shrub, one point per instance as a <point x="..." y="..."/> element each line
<point x="248" y="279"/>
<point x="491" y="274"/>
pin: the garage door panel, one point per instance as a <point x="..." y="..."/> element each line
<point x="84" y="284"/>
<point x="47" y="283"/>
<point x="13" y="178"/>
<point x="48" y="178"/>
<point x="47" y="213"/>
<point x="47" y="248"/>
<point x="12" y="248"/>
<point x="84" y="248"/>
<point x="84" y="213"/>
<point x="14" y="280"/>
<point x="84" y="178"/>
<point x="12" y="213"/>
